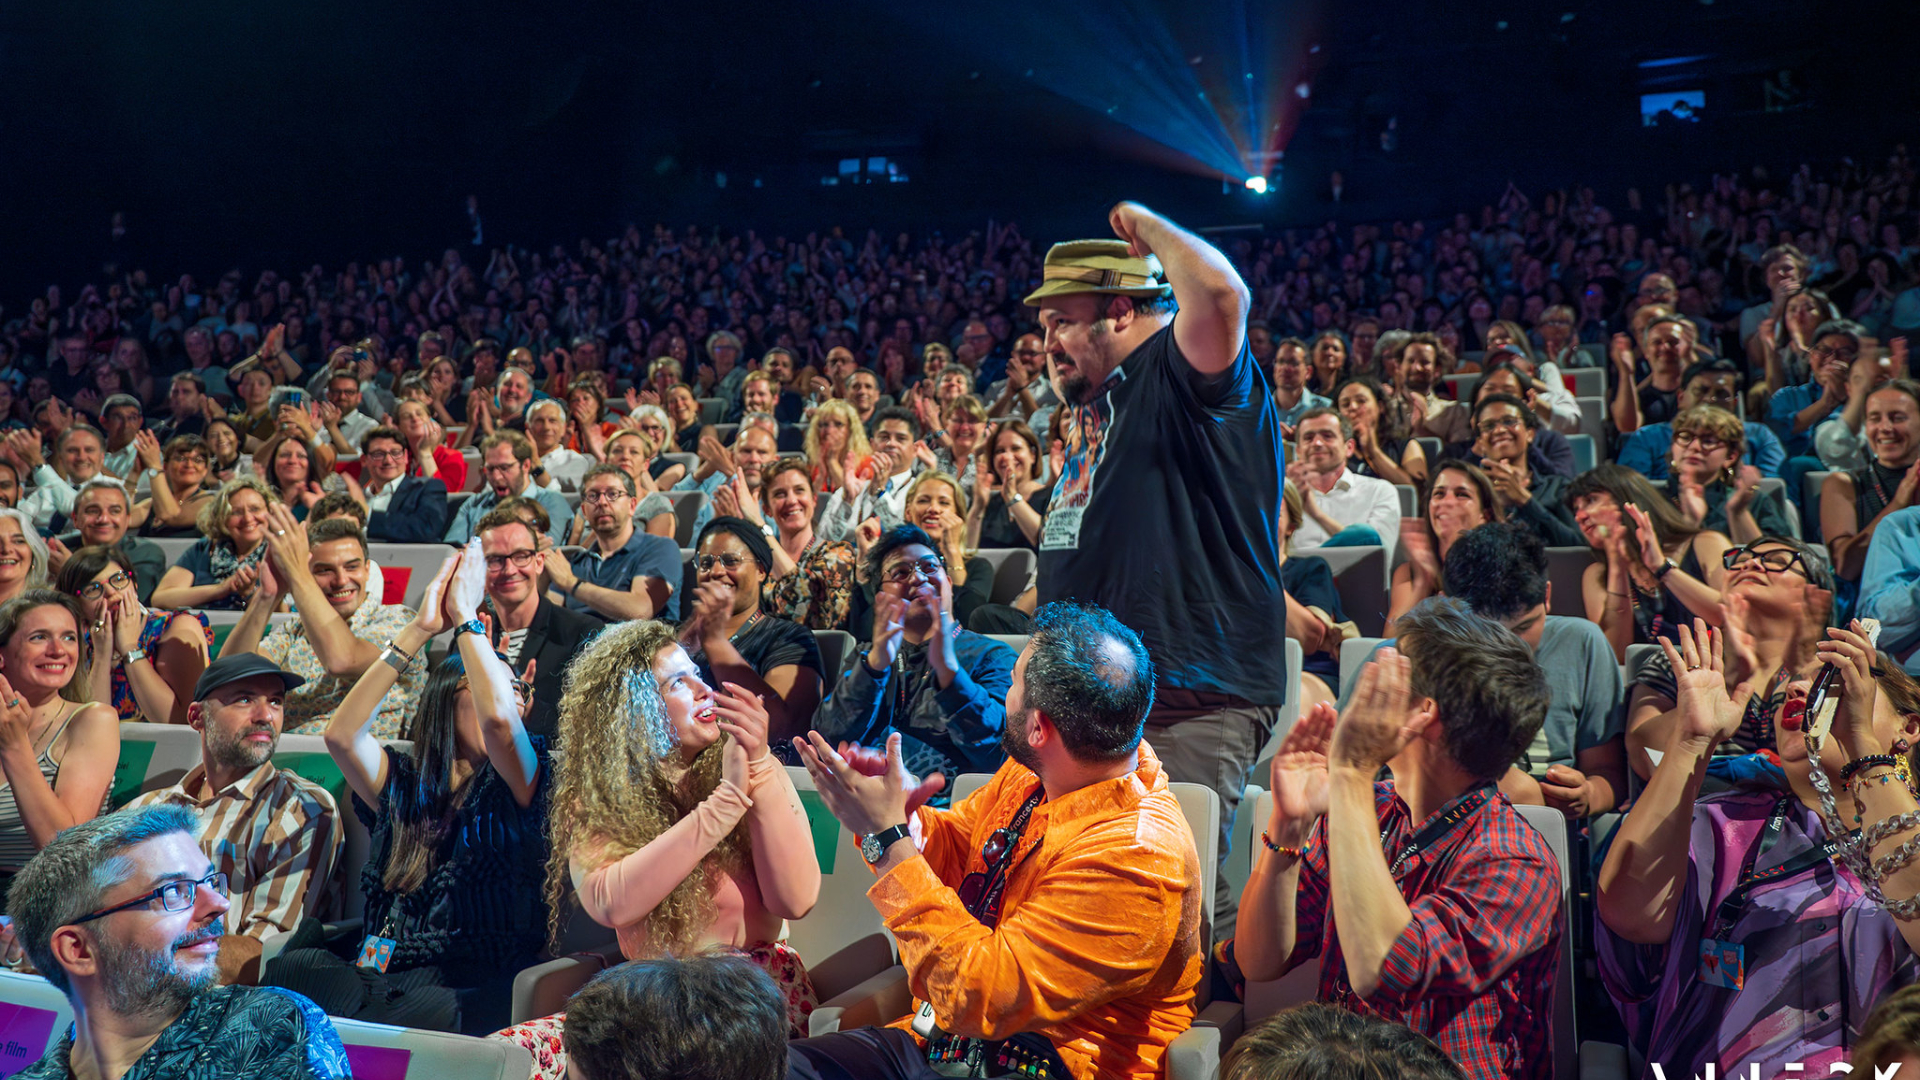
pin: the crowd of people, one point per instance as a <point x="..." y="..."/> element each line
<point x="576" y="713"/>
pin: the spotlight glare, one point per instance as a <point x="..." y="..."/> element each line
<point x="1257" y="185"/>
<point x="1303" y="91"/>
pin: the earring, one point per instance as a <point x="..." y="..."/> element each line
<point x="1900" y="746"/>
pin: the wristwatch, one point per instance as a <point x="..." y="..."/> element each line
<point x="873" y="846"/>
<point x="1667" y="568"/>
<point x="471" y="626"/>
<point x="132" y="655"/>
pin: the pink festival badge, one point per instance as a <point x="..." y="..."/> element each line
<point x="24" y="1031"/>
<point x="378" y="1062"/>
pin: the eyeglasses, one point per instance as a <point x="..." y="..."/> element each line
<point x="1774" y="561"/>
<point x="1499" y="423"/>
<point x="730" y="561"/>
<point x="604" y="495"/>
<point x="93" y="590"/>
<point x="1824" y="352"/>
<point x="904" y="572"/>
<point x="1707" y="443"/>
<point x="192" y="459"/>
<point x="520" y="559"/>
<point x="383" y="455"/>
<point x="173" y="896"/>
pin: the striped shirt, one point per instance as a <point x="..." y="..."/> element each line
<point x="270" y="832"/>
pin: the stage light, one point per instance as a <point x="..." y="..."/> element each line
<point x="1257" y="185"/>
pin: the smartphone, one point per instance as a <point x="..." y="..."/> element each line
<point x="297" y="398"/>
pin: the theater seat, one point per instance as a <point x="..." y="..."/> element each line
<point x="586" y="949"/>
<point x="152" y="756"/>
<point x="1012" y="569"/>
<point x="1553" y="826"/>
<point x="382" y="1052"/>
<point x="33" y="1017"/>
<point x="1360" y="576"/>
<point x="1566" y="567"/>
<point x="713" y="410"/>
<point x="835" y="647"/>
<point x="1302" y="984"/>
<point x="686" y="508"/>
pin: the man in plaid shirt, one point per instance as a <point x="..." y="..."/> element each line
<point x="1445" y="903"/>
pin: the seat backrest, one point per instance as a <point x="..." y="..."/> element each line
<point x="1810" y="491"/>
<point x="1300" y="985"/>
<point x="1360" y="575"/>
<point x="1586" y="382"/>
<point x="1011" y="569"/>
<point x="712" y="410"/>
<point x="1566" y="567"/>
<point x="686" y="509"/>
<point x="421" y="560"/>
<point x="842" y="915"/>
<point x="152" y="756"/>
<point x="172" y="546"/>
<point x="1201" y="806"/>
<point x="967" y="783"/>
<point x="382" y="1052"/>
<point x="1593" y="415"/>
<point x="1585" y="456"/>
<point x="689" y="462"/>
<point x="835" y="647"/>
<point x="1353" y="656"/>
<point x="33" y="1016"/>
<point x="1553" y="826"/>
<point x="1409" y="499"/>
<point x="1431" y="445"/>
<point x="1016" y="642"/>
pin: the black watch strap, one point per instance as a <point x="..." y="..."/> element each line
<point x="876" y="849"/>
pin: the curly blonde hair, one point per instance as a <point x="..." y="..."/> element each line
<point x="619" y="784"/>
<point x="213" y="516"/>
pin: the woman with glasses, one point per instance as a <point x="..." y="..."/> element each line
<point x="453" y="874"/>
<point x="1657" y="571"/>
<point x="57" y="755"/>
<point x="1761" y="924"/>
<point x="672" y="822"/>
<point x="733" y="640"/>
<point x="1458" y="498"/>
<point x="181" y="484"/>
<point x="1380" y="442"/>
<point x="1710" y="485"/>
<point x="156" y="656"/>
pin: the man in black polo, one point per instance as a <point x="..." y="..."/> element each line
<point x="1165" y="512"/>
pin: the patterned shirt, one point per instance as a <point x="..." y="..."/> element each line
<point x="816" y="595"/>
<point x="1818" y="953"/>
<point x="270" y="832"/>
<point x="229" y="1033"/>
<point x="1474" y="970"/>
<point x="311" y="705"/>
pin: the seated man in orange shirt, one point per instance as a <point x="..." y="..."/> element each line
<point x="1050" y="922"/>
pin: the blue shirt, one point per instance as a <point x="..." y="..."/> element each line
<point x="559" y="514"/>
<point x="260" y="1033"/>
<point x="1893" y="566"/>
<point x="1308" y="400"/>
<point x="644" y="556"/>
<point x="1786" y="403"/>
<point x="1647" y="451"/>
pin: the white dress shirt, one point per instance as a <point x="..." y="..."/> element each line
<point x="1354" y="500"/>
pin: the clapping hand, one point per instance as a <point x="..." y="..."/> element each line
<point x="1708" y="714"/>
<point x="864" y="803"/>
<point x="743" y="716"/>
<point x="889" y="626"/>
<point x="1378" y="721"/>
<point x="1299" y="772"/>
<point x="469" y="585"/>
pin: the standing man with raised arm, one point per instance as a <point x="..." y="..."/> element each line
<point x="1166" y="509"/>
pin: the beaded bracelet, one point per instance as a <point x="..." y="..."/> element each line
<point x="1281" y="849"/>
<point x="1860" y="764"/>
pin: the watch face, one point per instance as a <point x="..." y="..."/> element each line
<point x="870" y="848"/>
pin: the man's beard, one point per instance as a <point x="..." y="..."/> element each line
<point x="239" y="753"/>
<point x="1013" y="739"/>
<point x="143" y="983"/>
<point x="1073" y="386"/>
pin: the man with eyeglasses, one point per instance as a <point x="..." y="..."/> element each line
<point x="343" y="424"/>
<point x="530" y="627"/>
<point x="1291" y="398"/>
<point x="506" y="460"/>
<point x="1050" y="922"/>
<point x="123" y="914"/>
<point x="626" y="572"/>
<point x="1794" y="411"/>
<point x="1710" y="382"/>
<point x="1535" y="497"/>
<point x="401" y="508"/>
<point x="943" y="688"/>
<point x="272" y="833"/>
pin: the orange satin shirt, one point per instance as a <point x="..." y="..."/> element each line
<point x="1105" y="877"/>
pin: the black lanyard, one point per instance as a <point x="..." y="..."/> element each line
<point x="1750" y="879"/>
<point x="988" y="912"/>
<point x="1436" y="830"/>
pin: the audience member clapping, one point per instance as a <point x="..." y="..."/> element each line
<point x="672" y="822"/>
<point x="811" y="581"/>
<point x="400" y="506"/>
<point x="1458" y="498"/>
<point x="222" y="568"/>
<point x="625" y="572"/>
<point x="1010" y="499"/>
<point x="452" y="883"/>
<point x="144" y="662"/>
<point x="1382" y="445"/>
<point x="57" y="754"/>
<point x="1853" y="503"/>
<point x="1710" y="485"/>
<point x="1339" y="508"/>
<point x="1658" y="571"/>
<point x="1314" y="616"/>
<point x="734" y="642"/>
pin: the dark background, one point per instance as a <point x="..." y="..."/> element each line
<point x="280" y="134"/>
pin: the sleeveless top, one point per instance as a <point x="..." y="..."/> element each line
<point x="157" y="623"/>
<point x="16" y="847"/>
<point x="1659" y="614"/>
<point x="1873" y="488"/>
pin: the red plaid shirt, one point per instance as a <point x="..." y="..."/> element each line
<point x="1474" y="971"/>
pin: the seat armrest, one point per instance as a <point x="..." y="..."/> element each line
<point x="543" y="989"/>
<point x="1224" y="1016"/>
<point x="879" y="1000"/>
<point x="852" y="965"/>
<point x="1194" y="1054"/>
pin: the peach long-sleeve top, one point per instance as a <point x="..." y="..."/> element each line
<point x="781" y="882"/>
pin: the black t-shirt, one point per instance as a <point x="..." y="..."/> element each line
<point x="1166" y="514"/>
<point x="1658" y="406"/>
<point x="999" y="530"/>
<point x="769" y="643"/>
